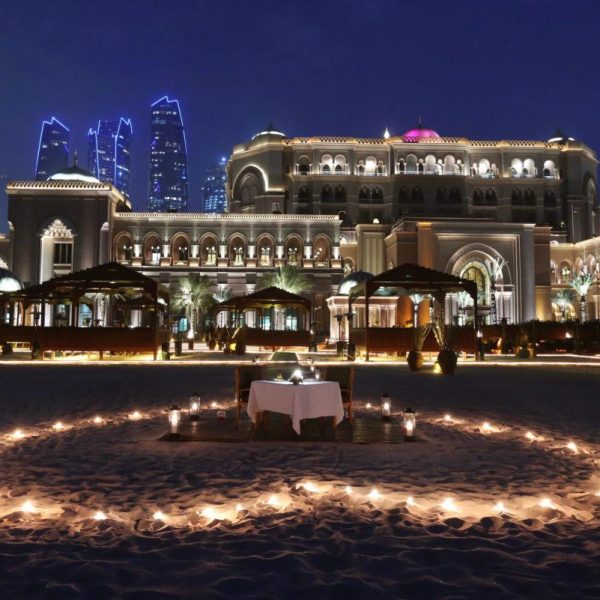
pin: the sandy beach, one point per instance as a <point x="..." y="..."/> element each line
<point x="296" y="519"/>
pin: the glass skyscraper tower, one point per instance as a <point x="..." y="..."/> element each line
<point x="168" y="159"/>
<point x="213" y="189"/>
<point x="53" y="149"/>
<point x="109" y="153"/>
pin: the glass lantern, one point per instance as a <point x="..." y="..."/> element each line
<point x="386" y="406"/>
<point x="296" y="377"/>
<point x="317" y="373"/>
<point x="410" y="424"/>
<point x="174" y="418"/>
<point x="194" y="407"/>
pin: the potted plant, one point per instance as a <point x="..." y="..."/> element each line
<point x="415" y="356"/>
<point x="447" y="357"/>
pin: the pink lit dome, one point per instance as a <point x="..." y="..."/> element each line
<point x="420" y="133"/>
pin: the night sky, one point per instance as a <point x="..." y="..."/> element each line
<point x="485" y="69"/>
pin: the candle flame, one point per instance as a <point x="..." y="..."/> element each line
<point x="499" y="507"/>
<point x="530" y="436"/>
<point x="410" y="501"/>
<point x="369" y="405"/>
<point x="210" y="513"/>
<point x="99" y="516"/>
<point x="309" y="486"/>
<point x="546" y="503"/>
<point x="17" y="434"/>
<point x="349" y="491"/>
<point x="28" y="507"/>
<point x="159" y="516"/>
<point x="98" y="420"/>
<point x="448" y="419"/>
<point x="58" y="426"/>
<point x="573" y="447"/>
<point x="374" y="494"/>
<point x="239" y="507"/>
<point x="136" y="415"/>
<point x="448" y="504"/>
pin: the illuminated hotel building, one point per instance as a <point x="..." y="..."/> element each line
<point x="168" y="159"/>
<point x="214" y="199"/>
<point x="109" y="153"/>
<point x="53" y="149"/>
<point x="340" y="209"/>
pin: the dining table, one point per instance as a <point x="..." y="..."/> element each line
<point x="309" y="399"/>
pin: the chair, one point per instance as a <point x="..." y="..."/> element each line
<point x="345" y="377"/>
<point x="244" y="376"/>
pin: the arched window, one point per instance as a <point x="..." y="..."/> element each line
<point x="476" y="273"/>
<point x="377" y="194"/>
<point x="516" y="198"/>
<point x="565" y="272"/>
<point x="338" y="169"/>
<point x="340" y="163"/>
<point x="326" y="169"/>
<point x="304" y="194"/>
<point x="250" y="188"/>
<point x="237" y="250"/>
<point x="529" y="198"/>
<point x="326" y="163"/>
<point x="208" y="250"/>
<point x="477" y="198"/>
<point x="265" y="250"/>
<point x="403" y="194"/>
<point x="549" y="169"/>
<point x="549" y="199"/>
<point x="449" y="164"/>
<point x="529" y="169"/>
<point x="490" y="198"/>
<point x="411" y="164"/>
<point x="326" y="194"/>
<point x="322" y="251"/>
<point x="180" y="248"/>
<point x="364" y="194"/>
<point x="417" y="195"/>
<point x="454" y="196"/>
<point x="440" y="196"/>
<point x="304" y="165"/>
<point x="516" y="168"/>
<point x="361" y="167"/>
<point x="430" y="164"/>
<point x="483" y="168"/>
<point x="340" y="194"/>
<point x="293" y="250"/>
<point x="370" y="166"/>
<point x="420" y="167"/>
<point x="401" y="166"/>
<point x="152" y="249"/>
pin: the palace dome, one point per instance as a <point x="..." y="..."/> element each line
<point x="9" y="281"/>
<point x="351" y="280"/>
<point x="420" y="133"/>
<point x="269" y="130"/>
<point x="74" y="173"/>
<point x="560" y="138"/>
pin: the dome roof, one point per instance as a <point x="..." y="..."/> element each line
<point x="560" y="137"/>
<point x="351" y="280"/>
<point x="269" y="130"/>
<point x="420" y="133"/>
<point x="74" y="173"/>
<point x="9" y="281"/>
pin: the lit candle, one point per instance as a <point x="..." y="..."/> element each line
<point x="58" y="426"/>
<point x="410" y="424"/>
<point x="573" y="447"/>
<point x="159" y="516"/>
<point x="374" y="494"/>
<point x="28" y="507"/>
<point x="194" y="407"/>
<point x="448" y="504"/>
<point x="546" y="503"/>
<point x="174" y="418"/>
<point x="135" y="415"/>
<point x="98" y="420"/>
<point x="99" y="516"/>
<point x="17" y="434"/>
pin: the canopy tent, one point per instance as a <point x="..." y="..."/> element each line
<point x="112" y="280"/>
<point x="410" y="278"/>
<point x="266" y="329"/>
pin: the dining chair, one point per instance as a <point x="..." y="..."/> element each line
<point x="345" y="377"/>
<point x="244" y="376"/>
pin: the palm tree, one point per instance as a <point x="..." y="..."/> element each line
<point x="416" y="300"/>
<point x="221" y="294"/>
<point x="494" y="268"/>
<point x="192" y="294"/>
<point x="563" y="299"/>
<point x="581" y="284"/>
<point x="288" y="278"/>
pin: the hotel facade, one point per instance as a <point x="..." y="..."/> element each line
<point x="336" y="206"/>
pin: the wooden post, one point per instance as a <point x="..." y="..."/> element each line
<point x="367" y="323"/>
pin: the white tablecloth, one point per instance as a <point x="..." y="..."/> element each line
<point x="307" y="400"/>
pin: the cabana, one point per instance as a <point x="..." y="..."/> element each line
<point x="88" y="311"/>
<point x="270" y="317"/>
<point x="407" y="279"/>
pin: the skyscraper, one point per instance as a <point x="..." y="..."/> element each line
<point x="168" y="159"/>
<point x="213" y="189"/>
<point x="53" y="149"/>
<point x="109" y="153"/>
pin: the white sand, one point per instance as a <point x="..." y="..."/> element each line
<point x="321" y="544"/>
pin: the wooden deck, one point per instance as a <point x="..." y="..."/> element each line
<point x="363" y="430"/>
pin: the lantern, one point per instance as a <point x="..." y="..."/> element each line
<point x="410" y="424"/>
<point x="317" y="374"/>
<point x="194" y="407"/>
<point x="174" y="418"/>
<point x="386" y="406"/>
